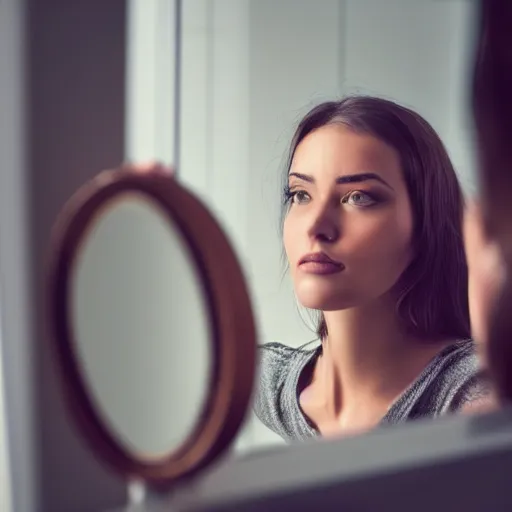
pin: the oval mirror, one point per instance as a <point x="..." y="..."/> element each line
<point x="151" y="323"/>
<point x="141" y="325"/>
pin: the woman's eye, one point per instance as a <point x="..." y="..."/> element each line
<point x="358" y="198"/>
<point x="300" y="197"/>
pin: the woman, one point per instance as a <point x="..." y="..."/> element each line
<point x="372" y="221"/>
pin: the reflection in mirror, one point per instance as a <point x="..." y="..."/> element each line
<point x="392" y="283"/>
<point x="146" y="366"/>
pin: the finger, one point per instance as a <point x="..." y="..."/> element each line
<point x="152" y="166"/>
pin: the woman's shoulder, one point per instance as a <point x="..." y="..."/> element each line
<point x="280" y="366"/>
<point x="276" y="358"/>
<point x="460" y="358"/>
<point x="461" y="379"/>
<point x="277" y="351"/>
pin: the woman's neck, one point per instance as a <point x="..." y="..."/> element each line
<point x="367" y="358"/>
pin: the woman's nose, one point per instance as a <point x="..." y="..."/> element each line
<point x="324" y="227"/>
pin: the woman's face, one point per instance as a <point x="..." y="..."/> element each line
<point x="348" y="230"/>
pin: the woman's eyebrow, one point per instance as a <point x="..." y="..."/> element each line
<point x="349" y="178"/>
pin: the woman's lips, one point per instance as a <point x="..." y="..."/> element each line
<point x="320" y="267"/>
<point x="320" y="263"/>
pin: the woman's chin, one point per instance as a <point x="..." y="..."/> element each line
<point x="322" y="295"/>
<point x="324" y="303"/>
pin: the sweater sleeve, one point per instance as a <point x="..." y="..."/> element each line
<point x="274" y="362"/>
<point x="476" y="389"/>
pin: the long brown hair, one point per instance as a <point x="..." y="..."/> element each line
<point x="432" y="298"/>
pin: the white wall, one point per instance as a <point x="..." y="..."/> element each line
<point x="252" y="68"/>
<point x="416" y="52"/>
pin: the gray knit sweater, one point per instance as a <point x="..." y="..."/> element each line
<point x="449" y="381"/>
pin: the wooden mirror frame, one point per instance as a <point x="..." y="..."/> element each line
<point x="233" y="338"/>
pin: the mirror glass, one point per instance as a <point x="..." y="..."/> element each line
<point x="250" y="71"/>
<point x="146" y="362"/>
